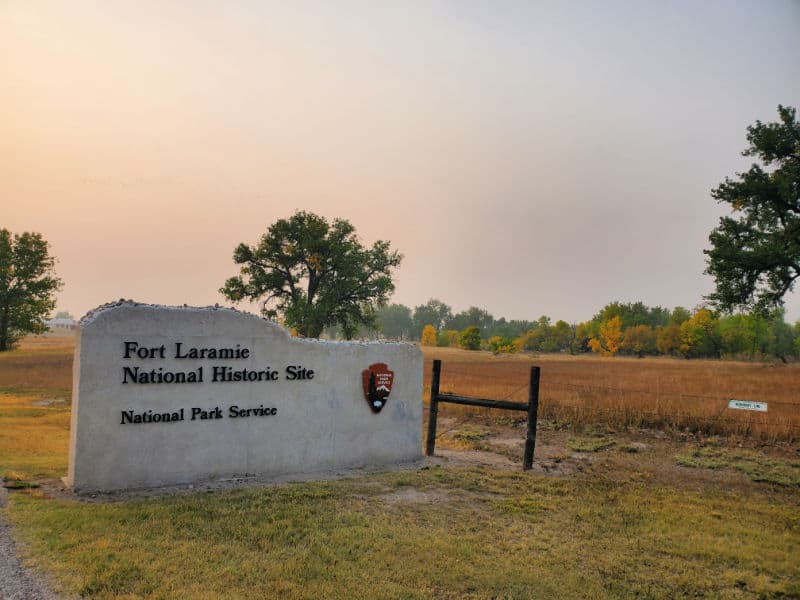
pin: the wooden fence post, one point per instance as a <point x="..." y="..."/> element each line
<point x="533" y="410"/>
<point x="433" y="407"/>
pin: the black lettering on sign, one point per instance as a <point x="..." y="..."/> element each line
<point x="298" y="372"/>
<point x="134" y="350"/>
<point x="203" y="415"/>
<point x="224" y="374"/>
<point x="148" y="416"/>
<point x="234" y="412"/>
<point x="211" y="353"/>
<point x="138" y="375"/>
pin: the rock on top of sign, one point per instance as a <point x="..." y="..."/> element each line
<point x="167" y="395"/>
<point x="96" y="312"/>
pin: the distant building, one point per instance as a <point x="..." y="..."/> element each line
<point x="61" y="325"/>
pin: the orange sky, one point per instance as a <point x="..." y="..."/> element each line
<point x="527" y="159"/>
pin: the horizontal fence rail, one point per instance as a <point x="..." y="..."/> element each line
<point x="531" y="407"/>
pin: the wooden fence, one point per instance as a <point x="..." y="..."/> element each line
<point x="531" y="407"/>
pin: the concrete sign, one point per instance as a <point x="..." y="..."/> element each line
<point x="168" y="395"/>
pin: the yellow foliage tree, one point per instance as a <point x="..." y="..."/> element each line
<point x="452" y="338"/>
<point x="429" y="337"/>
<point x="609" y="341"/>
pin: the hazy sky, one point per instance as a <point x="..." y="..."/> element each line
<point x="526" y="157"/>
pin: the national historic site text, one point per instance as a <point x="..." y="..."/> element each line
<point x="217" y="373"/>
<point x="136" y="374"/>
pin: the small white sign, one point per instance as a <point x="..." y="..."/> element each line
<point x="748" y="405"/>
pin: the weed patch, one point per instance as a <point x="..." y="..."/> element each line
<point x="756" y="466"/>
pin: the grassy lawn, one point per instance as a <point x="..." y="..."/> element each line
<point x="432" y="533"/>
<point x="618" y="517"/>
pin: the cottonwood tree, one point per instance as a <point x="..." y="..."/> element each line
<point x="28" y="284"/>
<point x="668" y="339"/>
<point x="639" y="340"/>
<point x="755" y="254"/>
<point x="473" y="316"/>
<point x="314" y="274"/>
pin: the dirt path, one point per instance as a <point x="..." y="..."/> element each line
<point x="16" y="581"/>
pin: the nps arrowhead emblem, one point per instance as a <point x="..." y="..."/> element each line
<point x="377" y="381"/>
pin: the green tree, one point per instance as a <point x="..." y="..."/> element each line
<point x="679" y="315"/>
<point x="633" y="313"/>
<point x="433" y="312"/>
<point x="533" y="339"/>
<point x="755" y="254"/>
<point x="470" y="338"/>
<point x="473" y="316"/>
<point x="28" y="284"/>
<point x="314" y="274"/>
<point x="559" y="337"/>
<point x="797" y="339"/>
<point x="781" y="337"/>
<point x="395" y="321"/>
<point x="583" y="333"/>
<point x="700" y="335"/>
<point x="743" y="335"/>
<point x="548" y="338"/>
<point x="510" y="329"/>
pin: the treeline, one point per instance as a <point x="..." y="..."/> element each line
<point x="619" y="328"/>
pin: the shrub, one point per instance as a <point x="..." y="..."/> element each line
<point x="470" y="338"/>
<point x="500" y="344"/>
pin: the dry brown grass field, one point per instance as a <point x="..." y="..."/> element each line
<point x="675" y="394"/>
<point x="39" y="363"/>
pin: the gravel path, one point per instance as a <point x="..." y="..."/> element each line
<point x="16" y="581"/>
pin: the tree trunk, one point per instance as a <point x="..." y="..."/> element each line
<point x="4" y="329"/>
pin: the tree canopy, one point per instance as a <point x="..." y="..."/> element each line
<point x="755" y="254"/>
<point x="27" y="285"/>
<point x="433" y="312"/>
<point x="314" y="274"/>
<point x="395" y="322"/>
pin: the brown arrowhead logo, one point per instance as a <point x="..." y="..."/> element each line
<point x="377" y="380"/>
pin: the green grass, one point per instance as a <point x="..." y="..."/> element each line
<point x="756" y="466"/>
<point x="488" y="534"/>
<point x="11" y="482"/>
